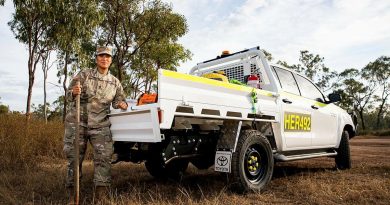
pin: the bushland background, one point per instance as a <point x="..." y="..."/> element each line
<point x="144" y="34"/>
<point x="62" y="35"/>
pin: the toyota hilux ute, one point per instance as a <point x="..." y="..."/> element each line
<point x="238" y="129"/>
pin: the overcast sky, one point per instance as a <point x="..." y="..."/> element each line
<point x="347" y="33"/>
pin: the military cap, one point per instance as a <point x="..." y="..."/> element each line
<point x="104" y="50"/>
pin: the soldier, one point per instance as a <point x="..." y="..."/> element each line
<point x="98" y="90"/>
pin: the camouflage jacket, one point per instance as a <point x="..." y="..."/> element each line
<point x="98" y="92"/>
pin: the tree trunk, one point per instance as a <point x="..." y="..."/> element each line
<point x="381" y="106"/>
<point x="120" y="73"/>
<point x="29" y="94"/>
<point x="44" y="94"/>
<point x="64" y="86"/>
<point x="30" y="85"/>
<point x="45" y="68"/>
<point x="362" y="119"/>
<point x="120" y="65"/>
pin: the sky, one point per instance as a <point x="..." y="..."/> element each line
<point x="347" y="33"/>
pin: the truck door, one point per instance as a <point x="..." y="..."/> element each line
<point x="324" y="121"/>
<point x="296" y="113"/>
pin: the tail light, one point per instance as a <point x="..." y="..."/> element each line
<point x="160" y="114"/>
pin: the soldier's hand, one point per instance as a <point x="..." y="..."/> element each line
<point x="76" y="90"/>
<point x="122" y="105"/>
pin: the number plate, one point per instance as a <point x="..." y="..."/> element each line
<point x="223" y="161"/>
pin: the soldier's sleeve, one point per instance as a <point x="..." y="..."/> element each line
<point x="69" y="95"/>
<point x="119" y="96"/>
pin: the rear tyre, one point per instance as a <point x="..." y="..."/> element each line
<point x="343" y="158"/>
<point x="252" y="163"/>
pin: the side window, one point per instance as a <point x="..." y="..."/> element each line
<point x="287" y="81"/>
<point x="308" y="89"/>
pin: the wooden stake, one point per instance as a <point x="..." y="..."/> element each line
<point x="77" y="151"/>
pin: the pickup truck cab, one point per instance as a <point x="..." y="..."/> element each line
<point x="241" y="130"/>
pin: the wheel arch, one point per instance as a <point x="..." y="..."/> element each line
<point x="351" y="131"/>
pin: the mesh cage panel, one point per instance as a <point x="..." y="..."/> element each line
<point x="236" y="72"/>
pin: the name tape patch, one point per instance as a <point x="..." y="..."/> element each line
<point x="297" y="122"/>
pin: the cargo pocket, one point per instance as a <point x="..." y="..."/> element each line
<point x="109" y="145"/>
<point x="107" y="134"/>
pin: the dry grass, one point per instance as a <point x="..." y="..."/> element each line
<point x="22" y="143"/>
<point x="41" y="178"/>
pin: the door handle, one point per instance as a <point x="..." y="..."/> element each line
<point x="285" y="100"/>
<point x="314" y="107"/>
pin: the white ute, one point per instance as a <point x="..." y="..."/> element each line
<point x="239" y="129"/>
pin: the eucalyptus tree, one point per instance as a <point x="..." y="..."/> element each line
<point x="313" y="67"/>
<point x="46" y="65"/>
<point x="149" y="59"/>
<point x="30" y="26"/>
<point x="74" y="25"/>
<point x="268" y="55"/>
<point x="161" y="51"/>
<point x="356" y="91"/>
<point x="140" y="30"/>
<point x="119" y="29"/>
<point x="379" y="71"/>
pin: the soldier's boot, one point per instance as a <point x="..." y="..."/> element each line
<point x="102" y="195"/>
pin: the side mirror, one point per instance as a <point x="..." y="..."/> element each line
<point x="334" y="97"/>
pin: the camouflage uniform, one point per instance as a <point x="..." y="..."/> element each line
<point x="98" y="92"/>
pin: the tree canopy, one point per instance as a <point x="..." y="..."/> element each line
<point x="313" y="67"/>
<point x="379" y="72"/>
<point x="144" y="34"/>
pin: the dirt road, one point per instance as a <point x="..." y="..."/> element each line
<point x="314" y="181"/>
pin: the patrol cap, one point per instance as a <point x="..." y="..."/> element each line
<point x="104" y="50"/>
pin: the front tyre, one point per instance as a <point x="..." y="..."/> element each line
<point x="343" y="158"/>
<point x="252" y="163"/>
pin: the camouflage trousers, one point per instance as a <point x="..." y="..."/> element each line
<point x="101" y="141"/>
